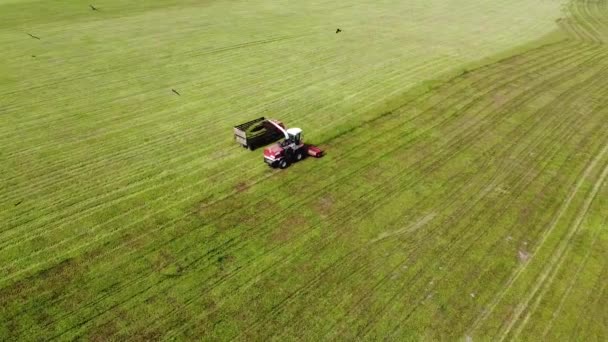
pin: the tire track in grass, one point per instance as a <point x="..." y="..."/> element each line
<point x="599" y="289"/>
<point x="568" y="24"/>
<point x="579" y="32"/>
<point x="594" y="24"/>
<point x="517" y="189"/>
<point x="581" y="21"/>
<point x="555" y="262"/>
<point x="562" y="210"/>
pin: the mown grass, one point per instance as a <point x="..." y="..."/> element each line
<point x="129" y="211"/>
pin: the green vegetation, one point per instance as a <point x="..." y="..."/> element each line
<point x="464" y="192"/>
<point x="255" y="130"/>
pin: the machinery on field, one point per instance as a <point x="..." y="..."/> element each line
<point x="256" y="133"/>
<point x="291" y="149"/>
<point x="262" y="131"/>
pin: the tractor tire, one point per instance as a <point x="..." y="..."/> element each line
<point x="283" y="164"/>
<point x="299" y="156"/>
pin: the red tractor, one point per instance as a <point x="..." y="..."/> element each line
<point x="290" y="150"/>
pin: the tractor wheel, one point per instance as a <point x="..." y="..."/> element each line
<point x="299" y="156"/>
<point x="283" y="164"/>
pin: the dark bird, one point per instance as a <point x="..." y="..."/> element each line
<point x="31" y="35"/>
<point x="16" y="204"/>
<point x="175" y="91"/>
<point x="93" y="7"/>
<point x="338" y="31"/>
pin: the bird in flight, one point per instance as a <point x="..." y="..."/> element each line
<point x="93" y="7"/>
<point x="338" y="31"/>
<point x="31" y="35"/>
<point x="175" y="91"/>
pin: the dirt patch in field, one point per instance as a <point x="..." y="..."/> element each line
<point x="525" y="216"/>
<point x="241" y="187"/>
<point x="103" y="332"/>
<point x="221" y="212"/>
<point x="58" y="275"/>
<point x="39" y="289"/>
<point x="373" y="174"/>
<point x="324" y="205"/>
<point x="145" y="336"/>
<point x="499" y="100"/>
<point x="288" y="228"/>
<point x="133" y="241"/>
<point x="523" y="256"/>
<point x="166" y="264"/>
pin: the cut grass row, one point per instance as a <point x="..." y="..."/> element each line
<point x="586" y="20"/>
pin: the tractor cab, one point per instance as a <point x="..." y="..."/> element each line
<point x="295" y="136"/>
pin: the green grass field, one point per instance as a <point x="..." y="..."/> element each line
<point x="464" y="194"/>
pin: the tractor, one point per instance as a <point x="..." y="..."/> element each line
<point x="292" y="149"/>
